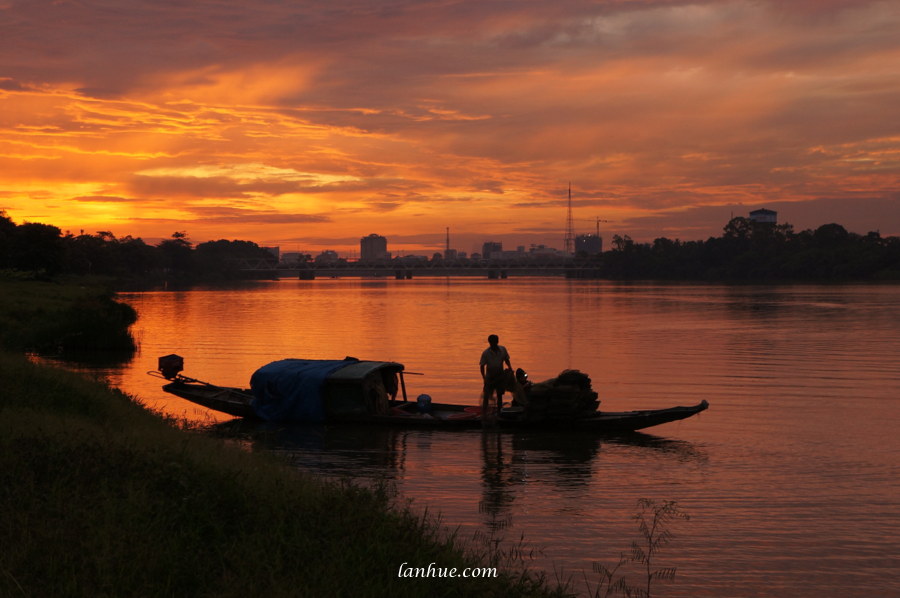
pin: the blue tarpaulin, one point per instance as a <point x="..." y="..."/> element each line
<point x="291" y="389"/>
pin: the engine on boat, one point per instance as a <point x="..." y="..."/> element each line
<point x="170" y="366"/>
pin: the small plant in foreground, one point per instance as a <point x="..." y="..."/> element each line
<point x="653" y="520"/>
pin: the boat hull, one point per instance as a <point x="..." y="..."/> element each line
<point x="615" y="422"/>
<point x="238" y="402"/>
<point x="232" y="401"/>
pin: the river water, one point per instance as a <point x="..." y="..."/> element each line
<point x="790" y="479"/>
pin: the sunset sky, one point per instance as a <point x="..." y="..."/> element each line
<point x="310" y="124"/>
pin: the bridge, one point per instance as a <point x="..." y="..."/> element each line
<point x="270" y="271"/>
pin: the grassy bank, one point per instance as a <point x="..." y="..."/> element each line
<point x="62" y="317"/>
<point x="99" y="497"/>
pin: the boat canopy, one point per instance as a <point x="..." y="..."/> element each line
<point x="312" y="390"/>
<point x="359" y="370"/>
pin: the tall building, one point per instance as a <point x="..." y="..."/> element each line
<point x="491" y="249"/>
<point x="373" y="248"/>
<point x="589" y="244"/>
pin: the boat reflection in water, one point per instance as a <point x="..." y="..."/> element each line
<point x="493" y="464"/>
<point x="560" y="463"/>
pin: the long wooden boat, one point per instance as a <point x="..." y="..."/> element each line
<point x="375" y="392"/>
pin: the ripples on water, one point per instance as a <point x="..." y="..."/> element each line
<point x="789" y="478"/>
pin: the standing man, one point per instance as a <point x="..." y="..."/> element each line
<point x="492" y="360"/>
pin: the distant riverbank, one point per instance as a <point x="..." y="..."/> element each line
<point x="103" y="497"/>
<point x="747" y="251"/>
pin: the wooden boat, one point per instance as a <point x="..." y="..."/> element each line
<point x="351" y="390"/>
<point x="605" y="422"/>
<point x="348" y="390"/>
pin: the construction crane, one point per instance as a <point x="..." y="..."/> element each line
<point x="597" y="221"/>
<point x="569" y="240"/>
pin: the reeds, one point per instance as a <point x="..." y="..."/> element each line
<point x="654" y="521"/>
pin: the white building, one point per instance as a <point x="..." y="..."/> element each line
<point x="764" y="216"/>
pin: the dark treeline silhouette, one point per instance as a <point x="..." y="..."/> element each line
<point x="746" y="251"/>
<point x="752" y="251"/>
<point x="42" y="248"/>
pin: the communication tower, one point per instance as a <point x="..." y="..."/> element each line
<point x="570" y="227"/>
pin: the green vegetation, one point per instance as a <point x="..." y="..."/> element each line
<point x="101" y="497"/>
<point x="52" y="317"/>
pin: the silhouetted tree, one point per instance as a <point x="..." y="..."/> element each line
<point x="176" y="255"/>
<point x="739" y="228"/>
<point x="7" y="239"/>
<point x="104" y="254"/>
<point x="223" y="259"/>
<point x="37" y="247"/>
<point x="831" y="235"/>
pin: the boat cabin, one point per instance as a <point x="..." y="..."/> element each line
<point x="317" y="390"/>
<point x="363" y="388"/>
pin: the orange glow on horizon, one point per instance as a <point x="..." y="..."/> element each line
<point x="310" y="130"/>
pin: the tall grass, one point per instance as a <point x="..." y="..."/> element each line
<point x="99" y="497"/>
<point x="55" y="317"/>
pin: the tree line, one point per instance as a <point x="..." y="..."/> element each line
<point x="43" y="248"/>
<point x="755" y="251"/>
<point x="746" y="251"/>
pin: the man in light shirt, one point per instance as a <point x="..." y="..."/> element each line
<point x="492" y="360"/>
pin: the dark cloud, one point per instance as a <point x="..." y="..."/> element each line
<point x="384" y="206"/>
<point x="230" y="216"/>
<point x="8" y="84"/>
<point x="215" y="187"/>
<point x="560" y="202"/>
<point x="101" y="199"/>
<point x="262" y="218"/>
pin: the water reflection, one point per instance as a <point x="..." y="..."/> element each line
<point x="505" y="463"/>
<point x="334" y="451"/>
<point x="497" y="479"/>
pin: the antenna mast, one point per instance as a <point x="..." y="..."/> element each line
<point x="570" y="227"/>
<point x="447" y="247"/>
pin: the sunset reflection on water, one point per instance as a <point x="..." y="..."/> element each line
<point x="789" y="478"/>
